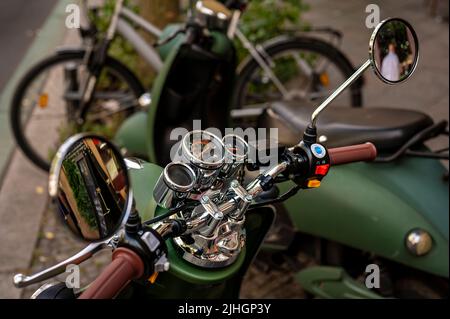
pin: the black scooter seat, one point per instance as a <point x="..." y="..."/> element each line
<point x="387" y="128"/>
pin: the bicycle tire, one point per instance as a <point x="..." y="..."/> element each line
<point x="302" y="43"/>
<point x="41" y="66"/>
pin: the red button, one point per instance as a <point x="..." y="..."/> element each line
<point x="322" y="169"/>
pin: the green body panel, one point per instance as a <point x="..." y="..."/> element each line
<point x="131" y="135"/>
<point x="221" y="44"/>
<point x="372" y="207"/>
<point x="333" y="282"/>
<point x="185" y="279"/>
<point x="166" y="48"/>
<point x="142" y="183"/>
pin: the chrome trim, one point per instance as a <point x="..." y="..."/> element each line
<point x="212" y="14"/>
<point x="418" y="242"/>
<point x="248" y="111"/>
<point x="174" y="186"/>
<point x="338" y="91"/>
<point x="166" y="192"/>
<point x="56" y="167"/>
<point x="187" y="154"/>
<point x="236" y="157"/>
<point x="234" y="161"/>
<point x="219" y="250"/>
<point x="42" y="288"/>
<point x="133" y="163"/>
<point x="145" y="100"/>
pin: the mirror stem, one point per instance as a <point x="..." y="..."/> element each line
<point x="338" y="91"/>
<point x="134" y="223"/>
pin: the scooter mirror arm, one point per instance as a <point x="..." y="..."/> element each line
<point x="338" y="91"/>
<point x="21" y="280"/>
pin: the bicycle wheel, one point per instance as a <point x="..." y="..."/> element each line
<point x="45" y="101"/>
<point x="308" y="69"/>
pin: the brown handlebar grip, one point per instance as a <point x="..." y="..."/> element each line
<point x="125" y="266"/>
<point x="354" y="153"/>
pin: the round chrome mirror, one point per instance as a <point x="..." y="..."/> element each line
<point x="394" y="50"/>
<point x="90" y="186"/>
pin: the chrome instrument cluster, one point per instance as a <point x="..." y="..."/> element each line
<point x="205" y="174"/>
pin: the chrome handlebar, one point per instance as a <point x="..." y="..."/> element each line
<point x="205" y="219"/>
<point x="236" y="201"/>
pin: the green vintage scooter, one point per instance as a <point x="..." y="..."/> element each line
<point x="393" y="213"/>
<point x="198" y="80"/>
<point x="378" y="213"/>
<point x="204" y="221"/>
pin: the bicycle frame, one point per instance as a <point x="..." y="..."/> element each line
<point x="119" y="24"/>
<point x="95" y="56"/>
<point x="151" y="56"/>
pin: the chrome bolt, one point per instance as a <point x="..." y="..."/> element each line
<point x="234" y="184"/>
<point x="204" y="199"/>
<point x="419" y="242"/>
<point x="145" y="100"/>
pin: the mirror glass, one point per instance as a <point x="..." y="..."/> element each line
<point x="394" y="50"/>
<point x="90" y="185"/>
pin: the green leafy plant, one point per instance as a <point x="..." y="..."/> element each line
<point x="266" y="19"/>
<point x="80" y="193"/>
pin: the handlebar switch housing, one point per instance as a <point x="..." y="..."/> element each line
<point x="311" y="164"/>
<point x="156" y="251"/>
<point x="151" y="247"/>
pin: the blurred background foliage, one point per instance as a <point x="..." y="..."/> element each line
<point x="262" y="20"/>
<point x="266" y="19"/>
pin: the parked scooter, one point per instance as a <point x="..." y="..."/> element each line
<point x="204" y="223"/>
<point x="396" y="204"/>
<point x="392" y="213"/>
<point x="86" y="89"/>
<point x="199" y="78"/>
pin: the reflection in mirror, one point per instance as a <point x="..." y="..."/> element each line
<point x="92" y="188"/>
<point x="394" y="50"/>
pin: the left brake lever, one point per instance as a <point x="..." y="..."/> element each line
<point x="21" y="280"/>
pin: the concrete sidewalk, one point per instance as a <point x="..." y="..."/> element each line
<point x="23" y="187"/>
<point x="49" y="36"/>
